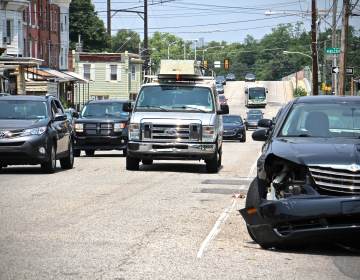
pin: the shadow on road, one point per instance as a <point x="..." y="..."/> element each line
<point x="27" y="170"/>
<point x="174" y="167"/>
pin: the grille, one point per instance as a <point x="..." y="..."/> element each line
<point x="102" y="129"/>
<point x="10" y="133"/>
<point x="176" y="133"/>
<point x="336" y="180"/>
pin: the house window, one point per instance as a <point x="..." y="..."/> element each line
<point x="113" y="72"/>
<point x="87" y="68"/>
<point x="35" y="14"/>
<point x="9" y="26"/>
<point x="62" y="57"/>
<point x="133" y="72"/>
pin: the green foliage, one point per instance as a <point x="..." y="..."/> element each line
<point x="85" y="22"/>
<point x="125" y="40"/>
<point x="299" y="91"/>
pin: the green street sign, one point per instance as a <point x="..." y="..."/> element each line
<point x="332" y="50"/>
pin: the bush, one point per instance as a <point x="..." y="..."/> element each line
<point x="300" y="91"/>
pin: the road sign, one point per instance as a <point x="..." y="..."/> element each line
<point x="335" y="70"/>
<point x="217" y="64"/>
<point x="349" y="71"/>
<point x="332" y="50"/>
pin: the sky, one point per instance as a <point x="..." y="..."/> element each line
<point x="215" y="20"/>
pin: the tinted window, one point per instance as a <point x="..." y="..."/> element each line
<point x="232" y="119"/>
<point x="257" y="93"/>
<point x="104" y="110"/>
<point x="23" y="109"/>
<point x="323" y="120"/>
<point x="174" y="98"/>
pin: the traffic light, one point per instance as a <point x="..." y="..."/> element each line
<point x="226" y="64"/>
<point x="205" y="64"/>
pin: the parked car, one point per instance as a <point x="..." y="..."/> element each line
<point x="234" y="128"/>
<point x="220" y="80"/>
<point x="252" y="120"/>
<point x="102" y="125"/>
<point x="307" y="187"/>
<point x="220" y="88"/>
<point x="250" y="77"/>
<point x="34" y="130"/>
<point x="223" y="100"/>
<point x="230" y="77"/>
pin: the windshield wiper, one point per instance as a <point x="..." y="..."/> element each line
<point x="191" y="108"/>
<point x="153" y="107"/>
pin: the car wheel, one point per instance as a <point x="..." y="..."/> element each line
<point x="147" y="161"/>
<point x="77" y="153"/>
<point x="89" y="153"/>
<point x="50" y="165"/>
<point x="243" y="139"/>
<point x="132" y="163"/>
<point x="68" y="161"/>
<point x="253" y="200"/>
<point x="213" y="164"/>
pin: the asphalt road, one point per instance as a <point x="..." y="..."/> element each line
<point x="170" y="220"/>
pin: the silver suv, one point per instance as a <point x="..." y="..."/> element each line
<point x="176" y="119"/>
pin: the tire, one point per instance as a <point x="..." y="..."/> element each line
<point x="50" y="165"/>
<point x="243" y="139"/>
<point x="253" y="200"/>
<point x="125" y="152"/>
<point x="213" y="164"/>
<point x="132" y="163"/>
<point x="77" y="153"/>
<point x="147" y="161"/>
<point x="89" y="153"/>
<point x="68" y="161"/>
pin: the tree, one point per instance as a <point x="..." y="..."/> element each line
<point x="85" y="22"/>
<point x="125" y="40"/>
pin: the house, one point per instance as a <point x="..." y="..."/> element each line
<point x="111" y="75"/>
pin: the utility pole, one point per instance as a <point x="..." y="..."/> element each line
<point x="315" y="74"/>
<point x="108" y="15"/>
<point x="343" y="48"/>
<point x="334" y="45"/>
<point x="146" y="43"/>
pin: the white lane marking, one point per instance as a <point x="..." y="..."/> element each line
<point x="222" y="219"/>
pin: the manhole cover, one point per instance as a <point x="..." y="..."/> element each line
<point x="234" y="182"/>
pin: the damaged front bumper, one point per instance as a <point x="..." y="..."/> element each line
<point x="305" y="219"/>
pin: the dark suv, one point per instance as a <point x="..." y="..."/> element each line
<point x="34" y="130"/>
<point x="102" y="126"/>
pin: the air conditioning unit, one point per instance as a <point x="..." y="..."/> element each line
<point x="7" y="40"/>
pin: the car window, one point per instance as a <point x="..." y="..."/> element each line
<point x="23" y="109"/>
<point x="104" y="110"/>
<point x="59" y="108"/>
<point x="323" y="120"/>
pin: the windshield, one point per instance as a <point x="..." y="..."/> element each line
<point x="174" y="98"/>
<point x="257" y="93"/>
<point x="254" y="117"/>
<point x="323" y="120"/>
<point x="23" y="109"/>
<point x="232" y="119"/>
<point x="104" y="110"/>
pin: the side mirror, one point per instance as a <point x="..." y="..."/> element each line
<point x="75" y="115"/>
<point x="60" y="117"/>
<point x="260" y="135"/>
<point x="127" y="107"/>
<point x="265" y="123"/>
<point x="224" y="109"/>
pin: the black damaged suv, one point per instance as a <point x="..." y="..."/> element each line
<point x="102" y="125"/>
<point x="307" y="187"/>
<point x="34" y="130"/>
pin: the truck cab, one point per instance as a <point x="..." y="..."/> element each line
<point x="175" y="117"/>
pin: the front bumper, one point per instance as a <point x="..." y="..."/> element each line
<point x="233" y="134"/>
<point x="100" y="142"/>
<point x="23" y="150"/>
<point x="159" y="150"/>
<point x="317" y="218"/>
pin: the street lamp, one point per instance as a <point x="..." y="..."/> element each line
<point x="169" y="45"/>
<point x="300" y="53"/>
<point x="205" y="50"/>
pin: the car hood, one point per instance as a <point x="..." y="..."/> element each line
<point x="232" y="126"/>
<point x="101" y="120"/>
<point x="318" y="151"/>
<point x="173" y="117"/>
<point x="22" y="124"/>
